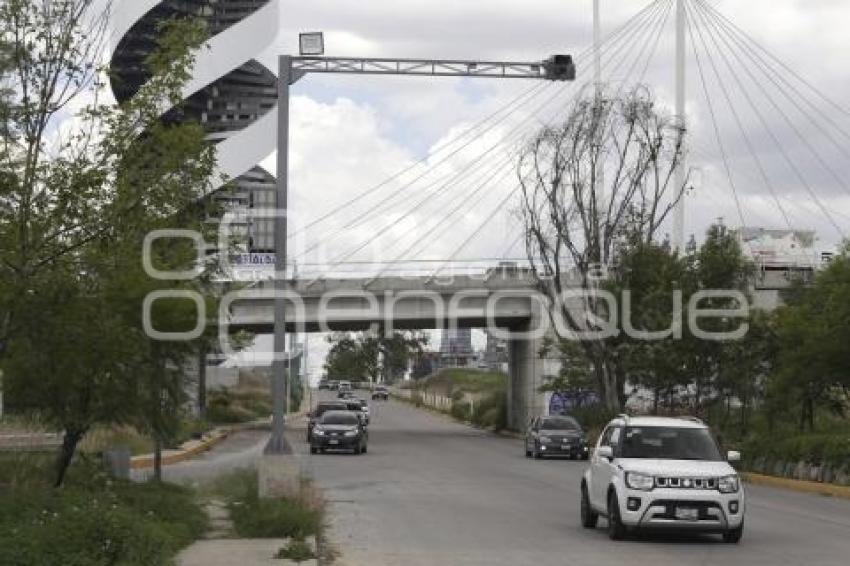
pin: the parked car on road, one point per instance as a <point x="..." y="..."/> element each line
<point x="662" y="473"/>
<point x="320" y="410"/>
<point x="555" y="436"/>
<point x="333" y="384"/>
<point x="345" y="386"/>
<point x="339" y="430"/>
<point x="381" y="392"/>
<point x="324" y="384"/>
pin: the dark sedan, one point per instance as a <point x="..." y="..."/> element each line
<point x="381" y="392"/>
<point x="320" y="410"/>
<point x="339" y="430"/>
<point x="555" y="436"/>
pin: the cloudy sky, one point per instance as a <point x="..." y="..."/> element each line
<point x="785" y="146"/>
<point x="352" y="132"/>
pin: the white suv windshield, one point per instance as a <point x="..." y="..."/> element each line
<point x="669" y="443"/>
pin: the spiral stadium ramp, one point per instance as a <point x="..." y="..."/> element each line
<point x="230" y="93"/>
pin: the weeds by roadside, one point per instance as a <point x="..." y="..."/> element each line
<point x="254" y="517"/>
<point x="93" y="520"/>
<point x="298" y="550"/>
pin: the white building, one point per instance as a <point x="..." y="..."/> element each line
<point x="781" y="257"/>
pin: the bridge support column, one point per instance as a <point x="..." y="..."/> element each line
<point x="526" y="369"/>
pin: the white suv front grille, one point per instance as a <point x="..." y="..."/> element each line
<point x="686" y="483"/>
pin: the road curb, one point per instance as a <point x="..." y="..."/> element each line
<point x="170" y="457"/>
<point x="829" y="489"/>
<point x="192" y="448"/>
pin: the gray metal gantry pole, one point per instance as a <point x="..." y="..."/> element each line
<point x="291" y="69"/>
<point x="280" y="366"/>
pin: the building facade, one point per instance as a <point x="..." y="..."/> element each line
<point x="456" y="348"/>
<point x="231" y="94"/>
<point x="781" y="257"/>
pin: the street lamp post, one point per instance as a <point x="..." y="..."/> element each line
<point x="290" y="70"/>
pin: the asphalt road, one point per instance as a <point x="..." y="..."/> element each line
<point x="431" y="492"/>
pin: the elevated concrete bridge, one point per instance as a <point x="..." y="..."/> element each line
<point x="504" y="301"/>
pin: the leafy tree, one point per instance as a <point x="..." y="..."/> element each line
<point x="684" y="369"/>
<point x="75" y="205"/>
<point x="576" y="372"/>
<point x="364" y="356"/>
<point x="345" y="358"/>
<point x="813" y="368"/>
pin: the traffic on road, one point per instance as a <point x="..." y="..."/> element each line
<point x="436" y="491"/>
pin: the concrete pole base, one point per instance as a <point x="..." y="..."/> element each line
<point x="279" y="475"/>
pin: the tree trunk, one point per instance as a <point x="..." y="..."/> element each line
<point x="807" y="415"/>
<point x="606" y="376"/>
<point x="157" y="459"/>
<point x="811" y="415"/>
<point x="66" y="454"/>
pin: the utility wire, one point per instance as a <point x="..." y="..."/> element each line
<point x="424" y="160"/>
<point x="346" y="205"/>
<point x="734" y="110"/>
<point x="617" y="35"/>
<point x="641" y="52"/>
<point x="719" y="138"/>
<point x="444" y="220"/>
<point x="478" y="230"/>
<point x="786" y="67"/>
<point x="780" y="147"/>
<point x="656" y="4"/>
<point x="649" y="41"/>
<point x="803" y="138"/>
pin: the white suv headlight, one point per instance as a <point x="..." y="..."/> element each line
<point x="351" y="433"/>
<point x="728" y="484"/>
<point x="545" y="440"/>
<point x="318" y="432"/>
<point x="639" y="481"/>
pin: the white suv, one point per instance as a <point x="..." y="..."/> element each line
<point x="662" y="473"/>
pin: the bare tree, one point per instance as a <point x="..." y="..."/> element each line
<point x="604" y="175"/>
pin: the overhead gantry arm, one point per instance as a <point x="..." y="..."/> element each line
<point x="556" y="68"/>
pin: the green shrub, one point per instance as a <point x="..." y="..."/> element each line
<point x="829" y="449"/>
<point x="492" y="411"/>
<point x="96" y="521"/>
<point x="452" y="380"/>
<point x="297" y="550"/>
<point x="230" y="406"/>
<point x="461" y="411"/>
<point x="273" y="518"/>
<point x="103" y="438"/>
<point x="19" y="470"/>
<point x="265" y="518"/>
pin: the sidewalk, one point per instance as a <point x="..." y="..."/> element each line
<point x="221" y="549"/>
